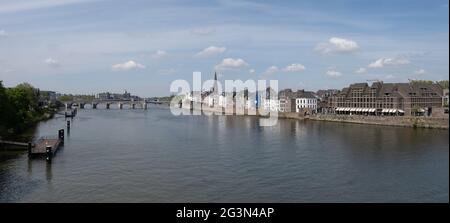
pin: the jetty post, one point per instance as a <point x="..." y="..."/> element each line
<point x="29" y="149"/>
<point x="61" y="135"/>
<point x="48" y="153"/>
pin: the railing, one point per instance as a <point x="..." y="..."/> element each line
<point x="47" y="137"/>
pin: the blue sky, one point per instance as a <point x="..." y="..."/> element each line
<point x="89" y="46"/>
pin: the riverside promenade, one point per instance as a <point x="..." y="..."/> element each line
<point x="400" y="121"/>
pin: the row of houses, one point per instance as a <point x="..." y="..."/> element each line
<point x="282" y="101"/>
<point x="126" y="96"/>
<point x="380" y="98"/>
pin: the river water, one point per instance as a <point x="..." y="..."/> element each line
<point x="153" y="156"/>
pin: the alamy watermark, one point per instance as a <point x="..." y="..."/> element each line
<point x="237" y="97"/>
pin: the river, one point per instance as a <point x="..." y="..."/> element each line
<point x="152" y="156"/>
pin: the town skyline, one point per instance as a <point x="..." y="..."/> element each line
<point x="83" y="46"/>
<point x="207" y="87"/>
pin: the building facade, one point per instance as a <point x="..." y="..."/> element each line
<point x="299" y="101"/>
<point x="388" y="99"/>
<point x="305" y="103"/>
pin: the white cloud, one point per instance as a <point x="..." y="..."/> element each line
<point x="3" y="33"/>
<point x="159" y="54"/>
<point x="252" y="71"/>
<point x="334" y="73"/>
<point x="361" y="70"/>
<point x="212" y="50"/>
<point x="230" y="63"/>
<point x="271" y="70"/>
<point x="420" y="72"/>
<point x="295" y="67"/>
<point x="337" y="45"/>
<point x="52" y="62"/>
<point x="130" y="65"/>
<point x="382" y="62"/>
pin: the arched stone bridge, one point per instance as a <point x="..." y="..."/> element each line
<point x="94" y="104"/>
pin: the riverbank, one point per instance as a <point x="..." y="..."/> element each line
<point x="400" y="121"/>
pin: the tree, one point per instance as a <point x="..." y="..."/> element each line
<point x="443" y="83"/>
<point x="18" y="108"/>
<point x="5" y="110"/>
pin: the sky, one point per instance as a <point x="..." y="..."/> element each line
<point x="92" y="46"/>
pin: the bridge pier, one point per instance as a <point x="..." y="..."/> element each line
<point x="133" y="106"/>
<point x="107" y="105"/>
<point x="68" y="106"/>
<point x="120" y="105"/>
<point x="82" y="105"/>
<point x="144" y="106"/>
<point x="94" y="106"/>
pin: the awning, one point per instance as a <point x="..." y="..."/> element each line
<point x="353" y="109"/>
<point x="421" y="110"/>
<point x="358" y="109"/>
<point x="401" y="111"/>
<point x="373" y="109"/>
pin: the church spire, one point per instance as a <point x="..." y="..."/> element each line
<point x="215" y="88"/>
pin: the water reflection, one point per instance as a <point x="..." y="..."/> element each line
<point x="48" y="171"/>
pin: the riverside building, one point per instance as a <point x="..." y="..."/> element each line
<point x="419" y="99"/>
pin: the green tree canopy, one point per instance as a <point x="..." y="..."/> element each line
<point x="19" y="108"/>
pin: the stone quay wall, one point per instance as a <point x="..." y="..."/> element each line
<point x="403" y="121"/>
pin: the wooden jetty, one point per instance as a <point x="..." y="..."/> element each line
<point x="46" y="146"/>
